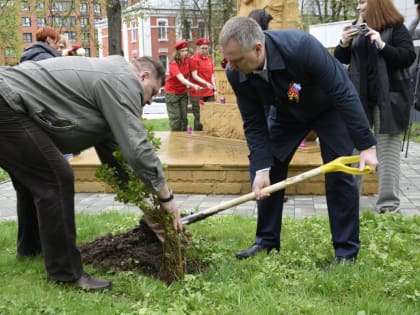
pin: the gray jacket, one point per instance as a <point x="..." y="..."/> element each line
<point x="81" y="102"/>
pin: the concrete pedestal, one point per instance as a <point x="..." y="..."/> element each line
<point x="201" y="164"/>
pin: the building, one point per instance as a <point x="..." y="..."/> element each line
<point x="154" y="30"/>
<point x="75" y="19"/>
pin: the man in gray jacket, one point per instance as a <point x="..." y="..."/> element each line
<point x="65" y="105"/>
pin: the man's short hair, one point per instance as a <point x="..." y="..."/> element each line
<point x="154" y="66"/>
<point x="242" y="30"/>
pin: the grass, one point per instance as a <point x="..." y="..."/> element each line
<point x="415" y="132"/>
<point x="3" y="175"/>
<point x="385" y="279"/>
<point x="162" y="124"/>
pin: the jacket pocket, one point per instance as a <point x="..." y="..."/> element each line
<point x="52" y="123"/>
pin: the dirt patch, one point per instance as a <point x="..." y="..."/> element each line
<point x="137" y="250"/>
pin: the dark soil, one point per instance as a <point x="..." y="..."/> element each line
<point x="137" y="250"/>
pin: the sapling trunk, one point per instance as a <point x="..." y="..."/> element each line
<point x="132" y="190"/>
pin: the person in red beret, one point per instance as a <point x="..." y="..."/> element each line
<point x="176" y="86"/>
<point x="202" y="73"/>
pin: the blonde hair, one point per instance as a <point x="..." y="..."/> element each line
<point x="65" y="41"/>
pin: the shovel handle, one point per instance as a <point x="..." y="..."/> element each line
<point x="337" y="165"/>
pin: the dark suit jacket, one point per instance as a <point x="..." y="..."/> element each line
<point x="296" y="57"/>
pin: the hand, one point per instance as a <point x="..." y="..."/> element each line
<point x="349" y="32"/>
<point x="368" y="157"/>
<point x="172" y="209"/>
<point x="375" y="38"/>
<point x="209" y="86"/>
<point x="261" y="180"/>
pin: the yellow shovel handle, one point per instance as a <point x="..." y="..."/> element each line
<point x="339" y="165"/>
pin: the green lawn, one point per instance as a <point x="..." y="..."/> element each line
<point x="162" y="124"/>
<point x="385" y="279"/>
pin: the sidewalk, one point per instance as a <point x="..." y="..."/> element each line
<point x="298" y="206"/>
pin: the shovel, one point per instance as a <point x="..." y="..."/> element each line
<point x="337" y="165"/>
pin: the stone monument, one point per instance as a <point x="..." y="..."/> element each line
<point x="285" y="13"/>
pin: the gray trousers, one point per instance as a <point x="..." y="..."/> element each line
<point x="177" y="105"/>
<point x="388" y="150"/>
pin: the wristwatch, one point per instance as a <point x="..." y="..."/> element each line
<point x="170" y="198"/>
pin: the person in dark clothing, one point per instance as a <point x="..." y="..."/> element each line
<point x="379" y="53"/>
<point x="29" y="241"/>
<point x="262" y="17"/>
<point x="47" y="39"/>
<point x="309" y="90"/>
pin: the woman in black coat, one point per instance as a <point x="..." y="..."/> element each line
<point x="379" y="50"/>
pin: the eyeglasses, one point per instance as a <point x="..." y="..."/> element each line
<point x="204" y="48"/>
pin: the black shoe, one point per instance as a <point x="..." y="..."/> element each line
<point x="91" y="284"/>
<point x="253" y="250"/>
<point x="339" y="261"/>
<point x="390" y="209"/>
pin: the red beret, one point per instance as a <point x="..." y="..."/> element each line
<point x="181" y="44"/>
<point x="202" y="41"/>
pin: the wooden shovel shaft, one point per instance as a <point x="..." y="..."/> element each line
<point x="250" y="196"/>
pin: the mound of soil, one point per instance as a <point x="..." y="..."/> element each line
<point x="137" y="250"/>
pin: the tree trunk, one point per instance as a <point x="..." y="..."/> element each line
<point x="113" y="13"/>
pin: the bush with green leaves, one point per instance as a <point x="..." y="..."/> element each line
<point x="133" y="191"/>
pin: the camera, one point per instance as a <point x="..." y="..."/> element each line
<point x="362" y="28"/>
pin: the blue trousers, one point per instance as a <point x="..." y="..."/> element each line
<point x="341" y="189"/>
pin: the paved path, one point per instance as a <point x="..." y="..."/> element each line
<point x="298" y="206"/>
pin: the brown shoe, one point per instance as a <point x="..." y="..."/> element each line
<point x="92" y="284"/>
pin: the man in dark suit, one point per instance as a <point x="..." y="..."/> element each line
<point x="308" y="89"/>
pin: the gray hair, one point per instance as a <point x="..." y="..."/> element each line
<point x="154" y="66"/>
<point x="243" y="30"/>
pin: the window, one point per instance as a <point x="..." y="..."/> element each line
<point x="97" y="8"/>
<point x="162" y="30"/>
<point x="69" y="20"/>
<point x="97" y="21"/>
<point x="57" y="6"/>
<point x="84" y="8"/>
<point x="25" y="6"/>
<point x="10" y="52"/>
<point x="40" y="5"/>
<point x="164" y="60"/>
<point x="201" y="29"/>
<point x="124" y="3"/>
<point x="84" y="21"/>
<point x="27" y="37"/>
<point x="133" y="31"/>
<point x="57" y="21"/>
<point x="68" y="6"/>
<point x="187" y="30"/>
<point x="26" y="21"/>
<point x="85" y="37"/>
<point x="87" y="52"/>
<point x="72" y="36"/>
<point x="40" y="22"/>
